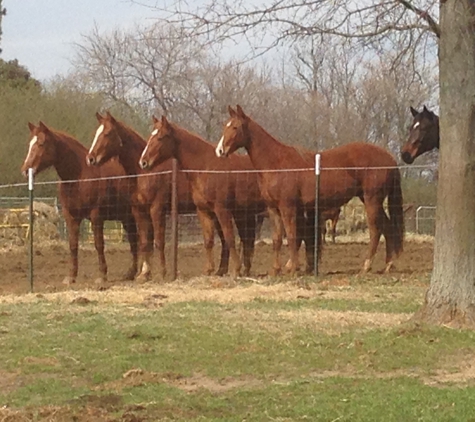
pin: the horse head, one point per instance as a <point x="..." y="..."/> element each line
<point x="106" y="143"/>
<point x="423" y="135"/>
<point x="161" y="144"/>
<point x="235" y="133"/>
<point x="41" y="151"/>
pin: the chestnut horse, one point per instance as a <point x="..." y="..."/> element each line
<point x="423" y="135"/>
<point x="217" y="190"/>
<point x="80" y="198"/>
<point x="332" y="215"/>
<point x="151" y="190"/>
<point x="356" y="169"/>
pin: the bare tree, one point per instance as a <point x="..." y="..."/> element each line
<point x="3" y="12"/>
<point x="412" y="25"/>
<point x="145" y="67"/>
<point x="161" y="70"/>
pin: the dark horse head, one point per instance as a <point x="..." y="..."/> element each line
<point x="423" y="135"/>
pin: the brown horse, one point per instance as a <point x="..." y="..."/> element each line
<point x="151" y="191"/>
<point x="423" y="135"/>
<point x="332" y="215"/>
<point x="218" y="192"/>
<point x="80" y="198"/>
<point x="357" y="169"/>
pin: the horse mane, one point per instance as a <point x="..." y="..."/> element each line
<point x="188" y="133"/>
<point x="135" y="135"/>
<point x="69" y="140"/>
<point x="301" y="151"/>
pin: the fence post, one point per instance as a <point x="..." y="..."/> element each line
<point x="31" y="224"/>
<point x="317" y="219"/>
<point x="174" y="219"/>
<point x="417" y="218"/>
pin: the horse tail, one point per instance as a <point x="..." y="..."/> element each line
<point x="396" y="213"/>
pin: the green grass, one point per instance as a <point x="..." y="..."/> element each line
<point x="285" y="363"/>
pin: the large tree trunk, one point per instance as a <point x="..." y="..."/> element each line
<point x="451" y="295"/>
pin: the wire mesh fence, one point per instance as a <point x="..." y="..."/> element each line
<point x="52" y="229"/>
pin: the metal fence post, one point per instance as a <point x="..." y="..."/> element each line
<point x="317" y="219"/>
<point x="31" y="223"/>
<point x="174" y="219"/>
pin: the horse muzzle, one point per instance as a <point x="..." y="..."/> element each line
<point x="90" y="160"/>
<point x="220" y="152"/>
<point x="24" y="172"/>
<point x="407" y="157"/>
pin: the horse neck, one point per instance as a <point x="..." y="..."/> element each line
<point x="193" y="152"/>
<point x="131" y="150"/>
<point x="70" y="158"/>
<point x="264" y="150"/>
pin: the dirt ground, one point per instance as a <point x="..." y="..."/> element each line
<point x="51" y="264"/>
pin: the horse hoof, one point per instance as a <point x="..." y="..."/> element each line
<point x="100" y="280"/>
<point x="221" y="272"/>
<point x="274" y="272"/>
<point x="143" y="277"/>
<point x="389" y="268"/>
<point x="130" y="274"/>
<point x="69" y="280"/>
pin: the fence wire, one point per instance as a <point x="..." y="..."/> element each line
<point x="51" y="230"/>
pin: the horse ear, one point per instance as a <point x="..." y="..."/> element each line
<point x="154" y="119"/>
<point x="231" y="111"/>
<point x="165" y="123"/>
<point x="110" y="116"/>
<point x="414" y="112"/>
<point x="43" y="127"/>
<point x="31" y="126"/>
<point x="240" y="112"/>
<point x="99" y="117"/>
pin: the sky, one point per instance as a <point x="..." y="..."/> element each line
<point x="41" y="33"/>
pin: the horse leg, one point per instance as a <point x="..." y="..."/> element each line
<point x="224" y="261"/>
<point x="225" y="219"/>
<point x="98" y="231"/>
<point x="207" y="226"/>
<point x="323" y="230"/>
<point x="389" y="238"/>
<point x="277" y="235"/>
<point x="334" y="222"/>
<point x="289" y="218"/>
<point x="301" y="235"/>
<point x="73" y="236"/>
<point x="130" y="228"/>
<point x="246" y="226"/>
<point x="144" y="227"/>
<point x="259" y="223"/>
<point x="373" y="208"/>
<point x="159" y="220"/>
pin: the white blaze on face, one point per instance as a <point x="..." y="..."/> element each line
<point x="220" y="148"/>
<point x="100" y="129"/>
<point x="229" y="124"/>
<point x="416" y="125"/>
<point x="154" y="132"/>
<point x="32" y="142"/>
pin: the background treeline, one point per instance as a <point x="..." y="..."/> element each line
<point x="316" y="94"/>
